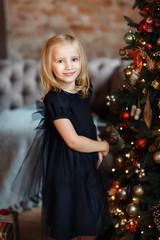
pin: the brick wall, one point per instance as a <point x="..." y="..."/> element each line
<point x="98" y="24"/>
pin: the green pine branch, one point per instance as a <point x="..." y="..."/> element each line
<point x="131" y="23"/>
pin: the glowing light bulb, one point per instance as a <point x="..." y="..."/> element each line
<point x="127" y="155"/>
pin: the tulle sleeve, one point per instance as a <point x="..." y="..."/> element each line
<point x="57" y="105"/>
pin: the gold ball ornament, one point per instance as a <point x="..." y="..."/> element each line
<point x="122" y="52"/>
<point x="156" y="157"/>
<point x="127" y="72"/>
<point x="138" y="190"/>
<point x="132" y="209"/>
<point x="158" y="41"/>
<point x="158" y="66"/>
<point x="122" y="193"/>
<point x="129" y="37"/>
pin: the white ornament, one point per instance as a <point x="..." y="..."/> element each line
<point x="133" y="110"/>
<point x="137" y="114"/>
<point x="134" y="77"/>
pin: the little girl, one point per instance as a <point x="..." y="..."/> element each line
<point x="71" y="152"/>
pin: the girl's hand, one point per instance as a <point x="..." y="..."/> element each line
<point x="100" y="158"/>
<point x="107" y="148"/>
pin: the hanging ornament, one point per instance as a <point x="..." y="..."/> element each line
<point x="147" y="114"/>
<point x="146" y="26"/>
<point x="122" y="194"/>
<point x="127" y="72"/>
<point x="138" y="191"/>
<point x="137" y="114"/>
<point x="156" y="157"/>
<point x="141" y="143"/>
<point x="158" y="41"/>
<point x="129" y="37"/>
<point x="122" y="52"/>
<point x="158" y="66"/>
<point x="133" y="110"/>
<point x="134" y="77"/>
<point x="156" y="84"/>
<point x="124" y="115"/>
<point x="132" y="209"/>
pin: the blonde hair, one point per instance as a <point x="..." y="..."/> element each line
<point x="48" y="79"/>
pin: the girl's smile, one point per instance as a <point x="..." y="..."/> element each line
<point x="66" y="65"/>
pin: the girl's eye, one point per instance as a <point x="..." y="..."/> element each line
<point x="60" y="61"/>
<point x="75" y="59"/>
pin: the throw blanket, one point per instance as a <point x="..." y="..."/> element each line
<point x="17" y="131"/>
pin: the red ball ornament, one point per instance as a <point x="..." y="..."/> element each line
<point x="141" y="143"/>
<point x="146" y="25"/>
<point x="124" y="115"/>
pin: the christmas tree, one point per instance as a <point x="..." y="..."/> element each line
<point x="134" y="197"/>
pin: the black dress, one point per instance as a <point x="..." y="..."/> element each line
<point x="72" y="190"/>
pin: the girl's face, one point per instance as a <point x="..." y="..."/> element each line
<point x="66" y="65"/>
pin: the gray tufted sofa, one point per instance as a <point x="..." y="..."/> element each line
<point x="19" y="90"/>
<point x="19" y="83"/>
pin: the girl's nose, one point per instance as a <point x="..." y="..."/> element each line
<point x="68" y="66"/>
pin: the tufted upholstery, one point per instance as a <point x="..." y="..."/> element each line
<point x="19" y="83"/>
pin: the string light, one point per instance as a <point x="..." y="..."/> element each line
<point x="127" y="155"/>
<point x="113" y="198"/>
<point x="142" y="232"/>
<point x="113" y="169"/>
<point x="132" y="143"/>
<point x="127" y="171"/>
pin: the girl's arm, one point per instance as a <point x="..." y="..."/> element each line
<point x="77" y="142"/>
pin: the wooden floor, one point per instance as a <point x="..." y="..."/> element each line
<point x="30" y="224"/>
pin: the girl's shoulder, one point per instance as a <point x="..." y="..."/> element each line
<point x="52" y="94"/>
<point x="58" y="98"/>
